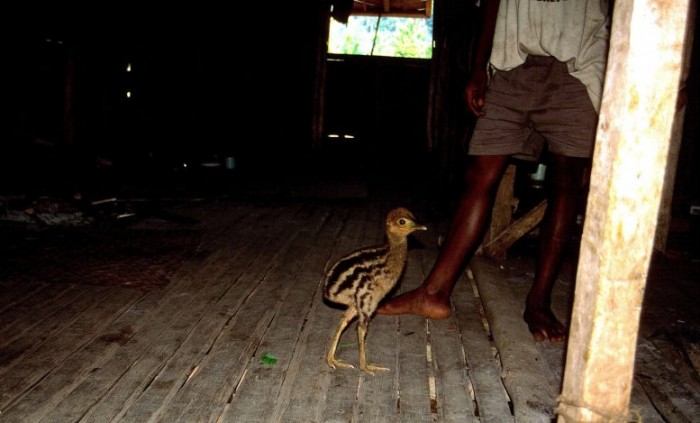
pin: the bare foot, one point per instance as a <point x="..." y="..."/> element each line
<point x="417" y="302"/>
<point x="543" y="325"/>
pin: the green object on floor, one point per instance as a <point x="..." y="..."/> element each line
<point x="269" y="359"/>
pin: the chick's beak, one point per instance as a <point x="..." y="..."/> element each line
<point x="419" y="228"/>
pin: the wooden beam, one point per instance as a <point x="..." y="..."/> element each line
<point x="497" y="247"/>
<point x="502" y="213"/>
<point x="639" y="103"/>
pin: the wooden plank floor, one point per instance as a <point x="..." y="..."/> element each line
<point x="240" y="332"/>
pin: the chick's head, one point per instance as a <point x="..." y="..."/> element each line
<point x="401" y="221"/>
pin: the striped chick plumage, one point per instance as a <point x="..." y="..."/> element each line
<point x="361" y="279"/>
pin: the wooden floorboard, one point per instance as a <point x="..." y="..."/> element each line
<point x="240" y="334"/>
<point x="526" y="380"/>
<point x="491" y="403"/>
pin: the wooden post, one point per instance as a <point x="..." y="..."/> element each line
<point x="68" y="101"/>
<point x="664" y="222"/>
<point x="319" y="87"/>
<point x="639" y="102"/>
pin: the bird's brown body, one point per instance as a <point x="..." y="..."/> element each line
<point x="361" y="279"/>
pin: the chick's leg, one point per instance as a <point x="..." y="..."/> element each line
<point x="361" y="335"/>
<point x="330" y="356"/>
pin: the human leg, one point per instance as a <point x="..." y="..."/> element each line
<point x="566" y="182"/>
<point x="567" y="119"/>
<point x="465" y="233"/>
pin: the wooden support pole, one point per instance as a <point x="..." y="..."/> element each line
<point x="665" y="209"/>
<point x="319" y="86"/>
<point x="639" y="102"/>
<point x="68" y="100"/>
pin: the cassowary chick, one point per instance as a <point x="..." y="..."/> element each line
<point x="361" y="279"/>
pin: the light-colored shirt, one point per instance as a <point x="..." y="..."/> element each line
<point x="575" y="32"/>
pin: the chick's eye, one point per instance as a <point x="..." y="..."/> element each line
<point x="402" y="222"/>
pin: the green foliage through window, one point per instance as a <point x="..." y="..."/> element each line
<point x="382" y="36"/>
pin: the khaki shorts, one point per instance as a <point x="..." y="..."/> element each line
<point x="535" y="104"/>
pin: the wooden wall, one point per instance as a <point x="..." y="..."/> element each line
<point x="254" y="83"/>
